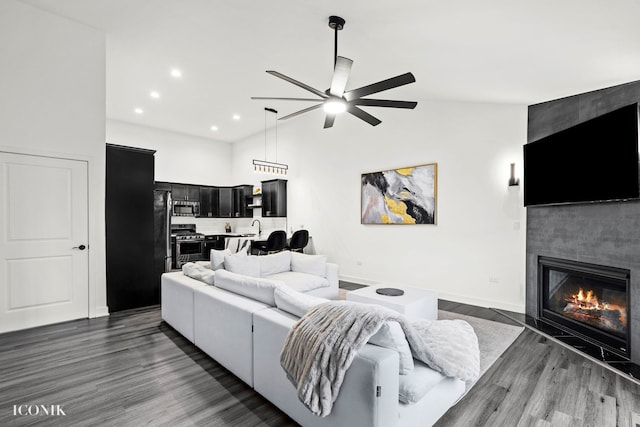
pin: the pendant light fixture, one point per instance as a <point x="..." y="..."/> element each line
<point x="264" y="166"/>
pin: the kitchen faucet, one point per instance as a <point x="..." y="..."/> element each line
<point x="259" y="226"/>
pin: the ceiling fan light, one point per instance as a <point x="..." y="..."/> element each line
<point x="335" y="106"/>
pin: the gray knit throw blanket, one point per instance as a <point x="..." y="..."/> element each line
<point x="321" y="346"/>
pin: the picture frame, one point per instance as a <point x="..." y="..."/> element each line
<point x="406" y="195"/>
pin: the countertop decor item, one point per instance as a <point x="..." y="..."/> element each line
<point x="227" y="227"/>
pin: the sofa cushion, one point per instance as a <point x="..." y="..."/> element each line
<point x="217" y="258"/>
<point x="198" y="272"/>
<point x="300" y="282"/>
<point x="310" y="264"/>
<point x="255" y="288"/>
<point x="242" y="264"/>
<point x="417" y="383"/>
<point x="294" y="302"/>
<point x="275" y="263"/>
<point x="390" y="335"/>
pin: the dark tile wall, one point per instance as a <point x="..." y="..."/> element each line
<point x="596" y="233"/>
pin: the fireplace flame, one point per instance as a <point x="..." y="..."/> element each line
<point x="588" y="301"/>
<point x="585" y="306"/>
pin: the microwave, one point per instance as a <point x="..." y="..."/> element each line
<point x="186" y="208"/>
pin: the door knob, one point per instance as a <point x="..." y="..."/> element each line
<point x="81" y="247"/>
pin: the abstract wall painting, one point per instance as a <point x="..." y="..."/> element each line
<point x="400" y="196"/>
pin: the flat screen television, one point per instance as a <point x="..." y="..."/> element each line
<point x="596" y="160"/>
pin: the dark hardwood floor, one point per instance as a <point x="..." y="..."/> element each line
<point x="132" y="369"/>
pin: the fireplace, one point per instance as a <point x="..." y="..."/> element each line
<point x="586" y="300"/>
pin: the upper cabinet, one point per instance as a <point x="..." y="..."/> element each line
<point x="232" y="202"/>
<point x="242" y="197"/>
<point x="274" y="198"/>
<point x="225" y="200"/>
<point x="209" y="202"/>
<point x="185" y="192"/>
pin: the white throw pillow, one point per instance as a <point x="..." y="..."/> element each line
<point x="275" y="263"/>
<point x="295" y="302"/>
<point x="392" y="336"/>
<point x="217" y="258"/>
<point x="417" y="383"/>
<point x="198" y="272"/>
<point x="242" y="264"/>
<point x="251" y="287"/>
<point x="310" y="264"/>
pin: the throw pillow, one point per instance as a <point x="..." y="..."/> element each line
<point x="275" y="263"/>
<point x="310" y="264"/>
<point x="295" y="302"/>
<point x="198" y="272"/>
<point x="392" y="336"/>
<point x="217" y="258"/>
<point x="251" y="287"/>
<point x="416" y="385"/>
<point x="242" y="264"/>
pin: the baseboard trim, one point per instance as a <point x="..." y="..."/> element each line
<point x="100" y="312"/>
<point x="517" y="308"/>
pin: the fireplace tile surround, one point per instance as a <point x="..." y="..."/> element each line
<point x="595" y="233"/>
<point x="606" y="233"/>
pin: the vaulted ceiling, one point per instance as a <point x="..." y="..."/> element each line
<point x="501" y="51"/>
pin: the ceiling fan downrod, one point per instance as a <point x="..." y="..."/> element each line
<point x="336" y="23"/>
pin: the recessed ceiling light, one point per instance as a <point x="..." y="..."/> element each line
<point x="154" y="94"/>
<point x="214" y="128"/>
<point x="236" y="117"/>
<point x="138" y="111"/>
<point x="176" y="73"/>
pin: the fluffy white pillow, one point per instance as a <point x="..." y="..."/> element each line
<point x="251" y="287"/>
<point x="217" y="258"/>
<point x="414" y="386"/>
<point x="295" y="302"/>
<point x="392" y="336"/>
<point x="275" y="263"/>
<point x="242" y="264"/>
<point x="310" y="264"/>
<point x="198" y="272"/>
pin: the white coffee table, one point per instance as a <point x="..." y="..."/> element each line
<point x="415" y="302"/>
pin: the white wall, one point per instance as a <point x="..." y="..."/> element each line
<point x="179" y="157"/>
<point x="52" y="102"/>
<point x="475" y="254"/>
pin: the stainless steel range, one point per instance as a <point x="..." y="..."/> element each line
<point x="187" y="244"/>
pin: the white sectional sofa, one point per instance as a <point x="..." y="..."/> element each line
<point x="246" y="335"/>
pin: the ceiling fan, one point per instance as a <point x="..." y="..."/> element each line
<point x="337" y="99"/>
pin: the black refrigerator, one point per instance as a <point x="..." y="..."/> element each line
<point x="162" y="254"/>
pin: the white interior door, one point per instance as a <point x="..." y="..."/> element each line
<point x="43" y="241"/>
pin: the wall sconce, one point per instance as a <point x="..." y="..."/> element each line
<point x="513" y="181"/>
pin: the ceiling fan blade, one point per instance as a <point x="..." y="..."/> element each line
<point x="384" y="103"/>
<point x="328" y="120"/>
<point x="340" y="76"/>
<point x="297" y="113"/>
<point x="361" y="114"/>
<point x="287" y="99"/>
<point x="380" y="86"/>
<point x="297" y="83"/>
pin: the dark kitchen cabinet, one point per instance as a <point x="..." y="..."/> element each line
<point x="225" y="202"/>
<point x="242" y="196"/>
<point x="274" y="198"/>
<point x="163" y="186"/>
<point x="209" y="202"/>
<point x="185" y="192"/>
<point x="129" y="222"/>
